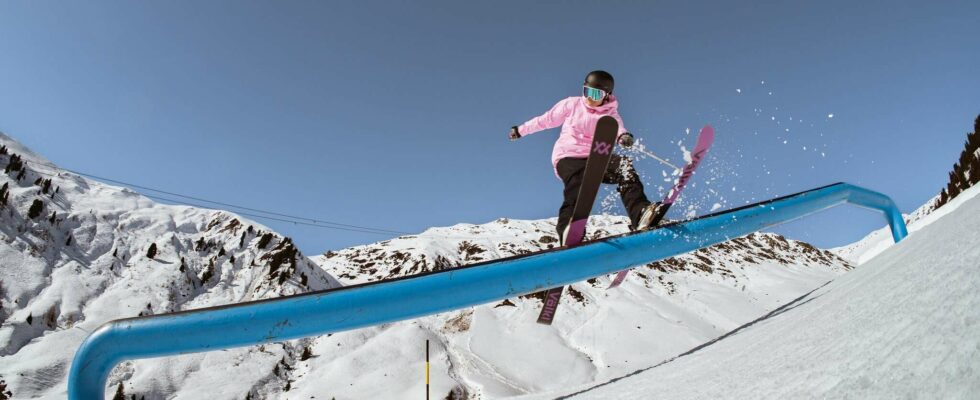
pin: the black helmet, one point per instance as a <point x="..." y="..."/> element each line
<point x="600" y="80"/>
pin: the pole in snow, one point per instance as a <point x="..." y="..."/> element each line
<point x="426" y="369"/>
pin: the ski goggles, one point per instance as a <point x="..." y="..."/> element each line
<point x="593" y="93"/>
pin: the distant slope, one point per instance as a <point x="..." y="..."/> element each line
<point x="906" y="324"/>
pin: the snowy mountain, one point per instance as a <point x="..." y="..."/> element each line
<point x="664" y="308"/>
<point x="77" y="253"/>
<point x="906" y="324"/>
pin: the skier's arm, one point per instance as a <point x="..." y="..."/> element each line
<point x="622" y="128"/>
<point x="623" y="137"/>
<point x="551" y="119"/>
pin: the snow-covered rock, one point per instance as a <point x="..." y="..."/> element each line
<point x="77" y="253"/>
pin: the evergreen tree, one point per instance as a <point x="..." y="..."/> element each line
<point x="152" y="251"/>
<point x="208" y="273"/>
<point x="264" y="241"/>
<point x="3" y="193"/>
<point x="14" y="164"/>
<point x="966" y="171"/>
<point x="36" y="207"/>
<point x="974" y="171"/>
<point x="120" y="394"/>
<point x="4" y="393"/>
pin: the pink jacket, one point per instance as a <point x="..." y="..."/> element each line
<point x="578" y="122"/>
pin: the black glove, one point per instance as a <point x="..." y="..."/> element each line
<point x="626" y="139"/>
<point x="514" y="134"/>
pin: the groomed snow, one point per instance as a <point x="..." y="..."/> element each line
<point x="906" y="324"/>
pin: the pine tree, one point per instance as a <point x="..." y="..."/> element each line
<point x="4" y="393"/>
<point x="36" y="207"/>
<point x="966" y="171"/>
<point x="264" y="241"/>
<point x="208" y="273"/>
<point x="974" y="171"/>
<point x="976" y="129"/>
<point x="14" y="164"/>
<point x="152" y="251"/>
<point x="120" y="394"/>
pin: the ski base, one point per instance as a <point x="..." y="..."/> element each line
<point x="603" y="142"/>
<point x="705" y="139"/>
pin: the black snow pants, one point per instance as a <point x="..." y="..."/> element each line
<point x="620" y="172"/>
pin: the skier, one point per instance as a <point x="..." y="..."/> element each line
<point x="578" y="116"/>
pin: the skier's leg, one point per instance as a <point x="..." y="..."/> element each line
<point x="622" y="173"/>
<point x="570" y="171"/>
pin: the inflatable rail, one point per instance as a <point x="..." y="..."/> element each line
<point x="351" y="307"/>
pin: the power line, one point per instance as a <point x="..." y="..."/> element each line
<point x="265" y="217"/>
<point x="301" y="220"/>
<point x="295" y="220"/>
<point x="370" y="230"/>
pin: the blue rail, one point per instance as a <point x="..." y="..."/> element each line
<point x="375" y="303"/>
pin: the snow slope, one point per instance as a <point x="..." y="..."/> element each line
<point x="875" y="242"/>
<point x="663" y="308"/>
<point x="64" y="276"/>
<point x="906" y="324"/>
<point x="84" y="260"/>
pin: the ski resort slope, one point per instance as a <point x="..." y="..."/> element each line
<point x="906" y="324"/>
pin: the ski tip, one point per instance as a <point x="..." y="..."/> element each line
<point x="707" y="130"/>
<point x="706" y="136"/>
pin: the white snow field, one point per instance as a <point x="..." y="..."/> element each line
<point x="906" y="324"/>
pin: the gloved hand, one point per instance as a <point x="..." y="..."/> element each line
<point x="626" y="139"/>
<point x="514" y="134"/>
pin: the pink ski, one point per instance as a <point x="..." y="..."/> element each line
<point x="705" y="138"/>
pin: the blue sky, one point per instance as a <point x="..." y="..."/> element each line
<point x="395" y="114"/>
